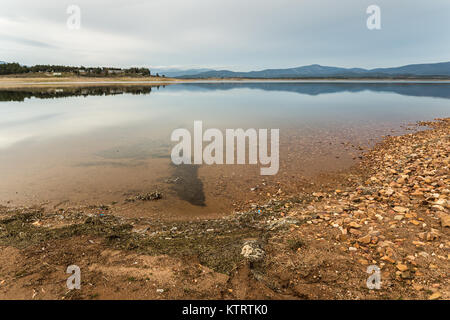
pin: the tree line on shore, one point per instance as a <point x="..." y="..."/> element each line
<point x="16" y="68"/>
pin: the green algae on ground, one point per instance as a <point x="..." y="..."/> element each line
<point x="215" y="243"/>
<point x="219" y="250"/>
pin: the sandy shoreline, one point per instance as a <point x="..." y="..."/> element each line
<point x="391" y="211"/>
<point x="42" y="82"/>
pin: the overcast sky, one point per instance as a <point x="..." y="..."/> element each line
<point x="233" y="34"/>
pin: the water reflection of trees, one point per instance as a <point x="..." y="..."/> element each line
<point x="22" y="94"/>
<point x="437" y="90"/>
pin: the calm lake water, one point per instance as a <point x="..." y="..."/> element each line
<point x="98" y="145"/>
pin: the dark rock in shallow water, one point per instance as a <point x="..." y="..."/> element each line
<point x="146" y="197"/>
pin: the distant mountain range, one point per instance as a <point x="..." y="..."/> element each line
<point x="438" y="70"/>
<point x="173" y="72"/>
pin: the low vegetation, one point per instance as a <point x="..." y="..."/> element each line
<point x="16" y="68"/>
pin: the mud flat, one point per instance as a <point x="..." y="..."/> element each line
<point x="389" y="211"/>
<point x="9" y="82"/>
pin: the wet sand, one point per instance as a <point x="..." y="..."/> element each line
<point x="75" y="173"/>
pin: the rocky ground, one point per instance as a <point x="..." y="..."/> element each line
<point x="391" y="211"/>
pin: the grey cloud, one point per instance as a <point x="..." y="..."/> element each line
<point x="28" y="42"/>
<point x="250" y="34"/>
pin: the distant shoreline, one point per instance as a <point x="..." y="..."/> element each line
<point x="10" y="82"/>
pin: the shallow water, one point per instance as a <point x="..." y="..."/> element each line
<point x="100" y="145"/>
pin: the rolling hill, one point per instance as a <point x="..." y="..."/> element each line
<point x="439" y="70"/>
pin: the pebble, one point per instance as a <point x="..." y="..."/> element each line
<point x="435" y="296"/>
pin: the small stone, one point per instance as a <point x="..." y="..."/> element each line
<point x="435" y="296"/>
<point x="354" y="225"/>
<point x="445" y="220"/>
<point x="417" y="287"/>
<point x="363" y="262"/>
<point x="388" y="259"/>
<point x="355" y="232"/>
<point x="406" y="275"/>
<point x="318" y="194"/>
<point x="366" y="239"/>
<point x="402" y="267"/>
<point x="401" y="209"/>
<point x="437" y="207"/>
<point x="342" y="237"/>
<point x="252" y="251"/>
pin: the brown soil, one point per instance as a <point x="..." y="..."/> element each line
<point x="391" y="210"/>
<point x="18" y="81"/>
